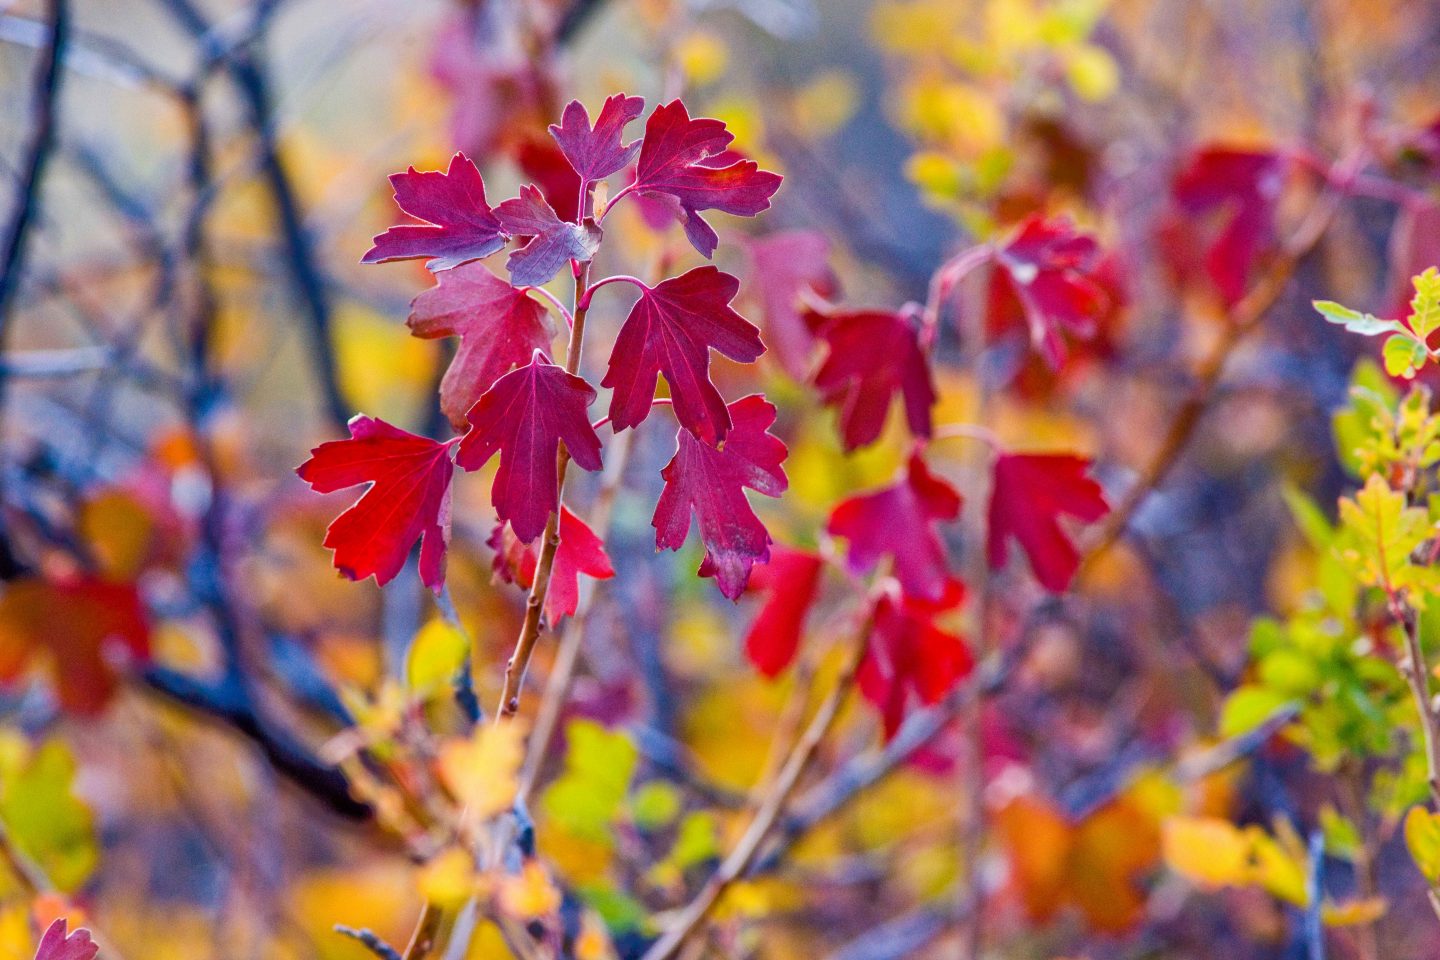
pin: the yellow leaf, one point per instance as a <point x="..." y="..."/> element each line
<point x="1208" y="851"/>
<point x="1354" y="912"/>
<point x="1422" y="836"/>
<point x="436" y="653"/>
<point x="481" y="771"/>
<point x="529" y="893"/>
<point x="701" y="57"/>
<point x="449" y="879"/>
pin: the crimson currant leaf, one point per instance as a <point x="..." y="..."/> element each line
<point x="872" y="356"/>
<point x="57" y="945"/>
<point x="1241" y="188"/>
<point x="1030" y="493"/>
<point x="408" y="500"/>
<point x="598" y="151"/>
<point x="673" y="170"/>
<point x="581" y="551"/>
<point x="670" y="330"/>
<point x="459" y="224"/>
<point x="1051" y="269"/>
<point x="498" y="325"/>
<point x="909" y="658"/>
<point x="784" y="267"/>
<point x="524" y="417"/>
<point x="711" y="484"/>
<point x="789" y="580"/>
<point x="898" y="521"/>
<point x="553" y="242"/>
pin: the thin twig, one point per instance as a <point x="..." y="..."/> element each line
<point x="737" y="863"/>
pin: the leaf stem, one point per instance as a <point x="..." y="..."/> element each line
<point x="554" y="301"/>
<point x="740" y="858"/>
<point x="584" y="301"/>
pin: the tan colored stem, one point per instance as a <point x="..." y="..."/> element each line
<point x="530" y="630"/>
<point x="738" y="861"/>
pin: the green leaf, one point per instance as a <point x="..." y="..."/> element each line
<point x="1378" y="534"/>
<point x="1364" y="324"/>
<point x="1249" y="707"/>
<point x="697" y="841"/>
<point x="1308" y="517"/>
<point x="655" y="804"/>
<point x="587" y="796"/>
<point x="1425" y="307"/>
<point x="1403" y="355"/>
<point x="43" y="816"/>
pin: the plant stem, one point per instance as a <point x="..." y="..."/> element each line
<point x="1417" y="672"/>
<point x="530" y="630"/>
<point x="738" y="861"/>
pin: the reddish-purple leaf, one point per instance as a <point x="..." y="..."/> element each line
<point x="596" y="152"/>
<point x="898" y="521"/>
<point x="909" y="658"/>
<point x="783" y="268"/>
<point x="459" y="225"/>
<point x="711" y="483"/>
<point x="581" y="551"/>
<point x="541" y="161"/>
<point x="1030" y="493"/>
<point x="553" y="242"/>
<point x="499" y="327"/>
<point x="789" y="581"/>
<point x="670" y="330"/>
<point x="408" y="499"/>
<point x="55" y="945"/>
<point x="1241" y="188"/>
<point x="1050" y="268"/>
<point x="872" y="356"/>
<point x="524" y="417"/>
<point x="675" y="168"/>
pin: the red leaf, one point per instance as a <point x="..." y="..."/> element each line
<point x="673" y="169"/>
<point x="872" y="356"/>
<point x="459" y="224"/>
<point x="711" y="483"/>
<point x="540" y="160"/>
<point x="670" y="330"/>
<point x="553" y="242"/>
<point x="1050" y="268"/>
<point x="790" y="580"/>
<point x="408" y="500"/>
<point x="525" y="416"/>
<point x="782" y="267"/>
<point x="499" y="327"/>
<point x="596" y="152"/>
<point x="898" y="521"/>
<point x="86" y="627"/>
<point x="1030" y="493"/>
<point x="580" y="551"/>
<point x="909" y="658"/>
<point x="55" y="945"/>
<point x="1241" y="188"/>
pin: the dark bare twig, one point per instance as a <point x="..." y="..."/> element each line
<point x="371" y="940"/>
<point x="42" y="145"/>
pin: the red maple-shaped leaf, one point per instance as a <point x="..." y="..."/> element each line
<point x="675" y="168"/>
<point x="784" y="267"/>
<point x="711" y="484"/>
<point x="498" y="325"/>
<point x="541" y="161"/>
<point x="459" y="225"/>
<point x="872" y="356"/>
<point x="56" y="945"/>
<point x="898" y="521"/>
<point x="81" y="628"/>
<point x="1030" y="493"/>
<point x="581" y="551"/>
<point x="789" y="581"/>
<point x="408" y="500"/>
<point x="670" y="330"/>
<point x="1240" y="189"/>
<point x="1050" y="269"/>
<point x="553" y="242"/>
<point x="909" y="658"/>
<point x="524" y="417"/>
<point x="598" y="151"/>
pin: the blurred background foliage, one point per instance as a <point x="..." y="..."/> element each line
<point x="187" y="678"/>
